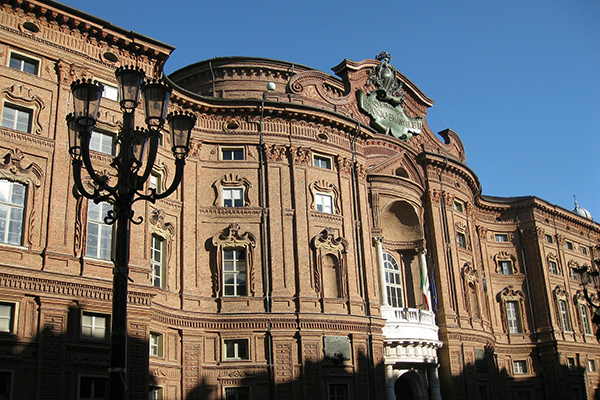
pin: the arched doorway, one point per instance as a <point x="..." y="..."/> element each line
<point x="407" y="387"/>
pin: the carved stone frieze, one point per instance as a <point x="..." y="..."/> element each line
<point x="276" y="153"/>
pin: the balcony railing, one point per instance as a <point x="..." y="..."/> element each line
<point x="409" y="324"/>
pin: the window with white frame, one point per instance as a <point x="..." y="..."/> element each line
<point x="513" y="317"/>
<point x="99" y="233"/>
<point x="93" y="388"/>
<point x="17" y="118"/>
<point x="110" y="92"/>
<point x="157" y="260"/>
<point x="232" y="153"/>
<point x="520" y="367"/>
<point x="553" y="267"/>
<point x="155" y="393"/>
<point x="571" y="363"/>
<point x="501" y="237"/>
<point x="154" y="182"/>
<point x="233" y="197"/>
<point x="94" y="326"/>
<point x="462" y="240"/>
<point x="156" y="344"/>
<point x="236" y="349"/>
<point x="563" y="312"/>
<point x="234" y="272"/>
<point x="458" y="206"/>
<point x="505" y="267"/>
<point x="393" y="281"/>
<point x="102" y="142"/>
<point x="337" y="391"/>
<point x="592" y="365"/>
<point x="583" y="250"/>
<point x="12" y="209"/>
<point x="7" y="317"/>
<point x="324" y="202"/>
<point x="322" y="162"/>
<point x="237" y="393"/>
<point x="549" y="239"/>
<point x="23" y="63"/>
<point x="585" y="318"/>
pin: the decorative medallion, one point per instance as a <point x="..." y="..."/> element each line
<point x="384" y="104"/>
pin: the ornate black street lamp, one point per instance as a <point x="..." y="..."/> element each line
<point x="133" y="167"/>
<point x="591" y="275"/>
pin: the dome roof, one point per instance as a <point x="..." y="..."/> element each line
<point x="582" y="212"/>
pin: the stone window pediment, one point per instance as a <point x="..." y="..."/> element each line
<point x="330" y="275"/>
<point x="328" y="189"/>
<point x="504" y="256"/>
<point x="231" y="181"/>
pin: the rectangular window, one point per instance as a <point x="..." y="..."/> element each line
<point x="549" y="239"/>
<point x="592" y="365"/>
<point x="93" y="388"/>
<point x="157" y="260"/>
<point x="458" y="206"/>
<point x="94" y="326"/>
<point x="154" y="182"/>
<point x="571" y="363"/>
<point x="17" y="118"/>
<point x="102" y="142"/>
<point x="7" y="317"/>
<point x="501" y="237"/>
<point x="110" y="92"/>
<point x="462" y="240"/>
<point x="234" y="272"/>
<point x="99" y="233"/>
<point x="322" y="162"/>
<point x="569" y="246"/>
<point x="236" y="349"/>
<point x="155" y="393"/>
<point x="520" y="367"/>
<point x="233" y="197"/>
<point x="337" y="391"/>
<point x="156" y="344"/>
<point x="585" y="319"/>
<point x="232" y="154"/>
<point x="24" y="64"/>
<point x="583" y="250"/>
<point x="505" y="267"/>
<point x="237" y="393"/>
<point x="324" y="203"/>
<point x="553" y="267"/>
<point x="12" y="209"/>
<point x="564" y="315"/>
<point x="513" y="317"/>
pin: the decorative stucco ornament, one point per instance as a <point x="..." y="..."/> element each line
<point x="384" y="104"/>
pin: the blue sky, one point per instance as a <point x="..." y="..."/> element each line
<point x="519" y="81"/>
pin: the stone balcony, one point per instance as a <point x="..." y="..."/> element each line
<point x="411" y="335"/>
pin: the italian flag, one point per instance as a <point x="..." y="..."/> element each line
<point x="425" y="286"/>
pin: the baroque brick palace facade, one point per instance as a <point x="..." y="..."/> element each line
<point x="324" y="244"/>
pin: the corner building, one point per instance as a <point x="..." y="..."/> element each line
<point x="324" y="243"/>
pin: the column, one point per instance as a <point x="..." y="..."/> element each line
<point x="378" y="241"/>
<point x="434" y="383"/>
<point x="390" y="381"/>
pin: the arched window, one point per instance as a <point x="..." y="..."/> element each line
<point x="393" y="281"/>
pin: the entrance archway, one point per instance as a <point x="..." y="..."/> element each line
<point x="408" y="387"/>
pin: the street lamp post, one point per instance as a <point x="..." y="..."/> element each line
<point x="591" y="275"/>
<point x="133" y="168"/>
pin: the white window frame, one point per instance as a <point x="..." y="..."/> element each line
<point x="94" y="380"/>
<point x="592" y="366"/>
<point x="553" y="267"/>
<point x="155" y="182"/>
<point x="505" y="267"/>
<point x="233" y="196"/>
<point x="14" y="122"/>
<point x="520" y="367"/>
<point x="501" y="237"/>
<point x="12" y="211"/>
<point x="321" y="161"/>
<point x="513" y="317"/>
<point x="324" y="203"/>
<point x="102" y="248"/>
<point x="563" y="312"/>
<point x="23" y="61"/>
<point x="458" y="206"/>
<point x="393" y="281"/>
<point x="102" y="142"/>
<point x="156" y="344"/>
<point x="549" y="239"/>
<point x="231" y="349"/>
<point x="232" y="151"/>
<point x="461" y="239"/>
<point x="97" y="324"/>
<point x="585" y="318"/>
<point x="8" y="316"/>
<point x="235" y="271"/>
<point x="158" y="261"/>
<point x="110" y="92"/>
